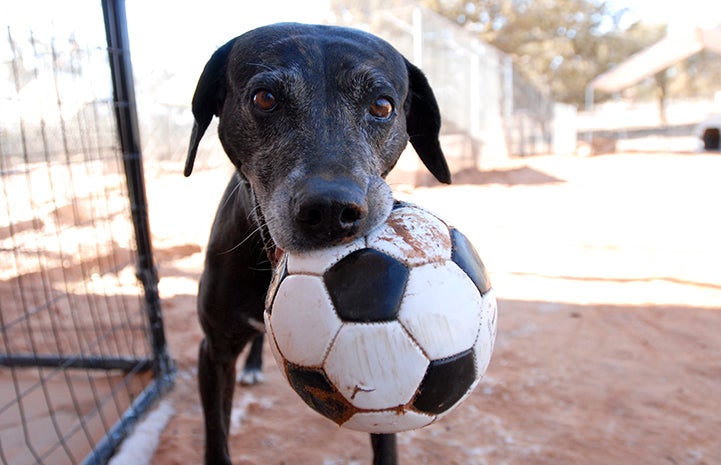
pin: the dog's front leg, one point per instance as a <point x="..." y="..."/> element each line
<point x="216" y="379"/>
<point x="385" y="451"/>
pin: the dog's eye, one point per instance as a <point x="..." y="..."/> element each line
<point x="382" y="108"/>
<point x="264" y="100"/>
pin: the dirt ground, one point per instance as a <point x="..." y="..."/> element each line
<point x="609" y="339"/>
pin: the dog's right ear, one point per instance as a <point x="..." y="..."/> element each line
<point x="208" y="99"/>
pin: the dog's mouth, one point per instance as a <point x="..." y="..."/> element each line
<point x="276" y="255"/>
<point x="331" y="221"/>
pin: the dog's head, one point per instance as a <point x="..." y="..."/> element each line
<point x="314" y="117"/>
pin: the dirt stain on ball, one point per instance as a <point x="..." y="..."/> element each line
<point x="404" y="226"/>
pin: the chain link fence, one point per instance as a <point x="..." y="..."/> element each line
<point x="490" y="111"/>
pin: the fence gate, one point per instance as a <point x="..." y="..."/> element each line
<point x="82" y="347"/>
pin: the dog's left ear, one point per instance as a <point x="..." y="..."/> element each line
<point x="208" y="99"/>
<point x="423" y="123"/>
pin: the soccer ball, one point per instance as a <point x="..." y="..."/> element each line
<point x="387" y="333"/>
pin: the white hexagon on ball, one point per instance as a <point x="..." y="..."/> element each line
<point x="440" y="309"/>
<point x="413" y="236"/>
<point x="483" y="347"/>
<point x="274" y="350"/>
<point x="303" y="320"/>
<point x="388" y="422"/>
<point x="317" y="261"/>
<point x="375" y="366"/>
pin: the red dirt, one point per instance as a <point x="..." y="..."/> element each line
<point x="607" y="273"/>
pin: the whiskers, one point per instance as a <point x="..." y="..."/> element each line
<point x="251" y="235"/>
<point x="256" y="236"/>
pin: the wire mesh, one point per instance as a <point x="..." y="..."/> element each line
<point x="75" y="346"/>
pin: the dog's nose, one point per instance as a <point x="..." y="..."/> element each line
<point x="328" y="211"/>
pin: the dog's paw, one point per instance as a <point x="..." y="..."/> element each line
<point x="250" y="376"/>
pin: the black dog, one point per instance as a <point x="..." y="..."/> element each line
<point x="313" y="118"/>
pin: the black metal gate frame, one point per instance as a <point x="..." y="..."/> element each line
<point x="116" y="32"/>
<point x="161" y="364"/>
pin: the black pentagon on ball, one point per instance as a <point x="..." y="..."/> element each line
<point x="465" y="256"/>
<point x="446" y="381"/>
<point x="313" y="386"/>
<point x="366" y="286"/>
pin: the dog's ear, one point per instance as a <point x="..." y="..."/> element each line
<point x="208" y="99"/>
<point x="423" y="123"/>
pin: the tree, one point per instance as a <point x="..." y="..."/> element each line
<point x="560" y="45"/>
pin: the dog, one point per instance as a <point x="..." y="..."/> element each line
<point x="313" y="118"/>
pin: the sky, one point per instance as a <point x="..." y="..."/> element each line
<point x="179" y="35"/>
<point x="182" y="27"/>
<point x="703" y="13"/>
<point x="197" y="30"/>
<point x="173" y="29"/>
